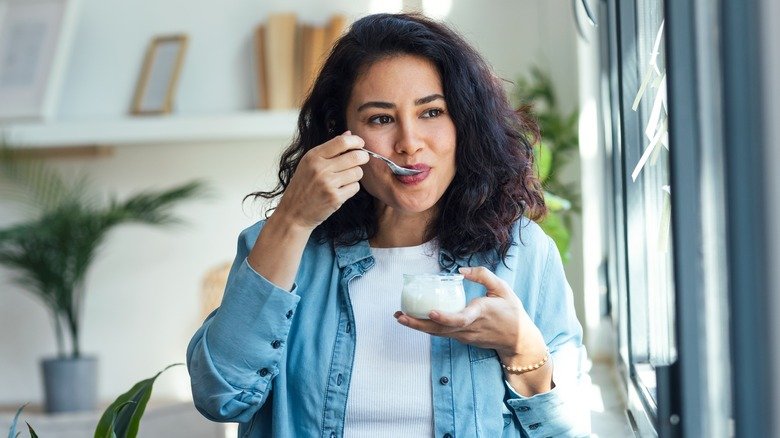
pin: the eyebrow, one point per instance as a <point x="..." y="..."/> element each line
<point x="388" y="105"/>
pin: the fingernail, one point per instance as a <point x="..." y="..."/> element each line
<point x="347" y="132"/>
<point x="403" y="320"/>
<point x="464" y="270"/>
<point x="433" y="315"/>
<point x="397" y="314"/>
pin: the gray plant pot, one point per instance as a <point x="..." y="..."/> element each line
<point x="70" y="384"/>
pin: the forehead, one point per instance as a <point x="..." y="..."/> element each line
<point x="396" y="78"/>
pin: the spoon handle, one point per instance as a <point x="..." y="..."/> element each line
<point x="375" y="155"/>
<point x="385" y="159"/>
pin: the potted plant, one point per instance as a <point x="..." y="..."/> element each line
<point x="559" y="143"/>
<point x="52" y="252"/>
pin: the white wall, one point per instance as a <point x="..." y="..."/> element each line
<point x="143" y="291"/>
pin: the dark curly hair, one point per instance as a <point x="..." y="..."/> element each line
<point x="495" y="182"/>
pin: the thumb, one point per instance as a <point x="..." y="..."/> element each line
<point x="482" y="275"/>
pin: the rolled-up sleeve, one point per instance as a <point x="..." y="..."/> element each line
<point x="233" y="358"/>
<point x="564" y="410"/>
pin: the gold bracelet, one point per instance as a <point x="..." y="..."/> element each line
<point x="527" y="368"/>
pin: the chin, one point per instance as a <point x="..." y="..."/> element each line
<point x="408" y="204"/>
<point x="414" y="208"/>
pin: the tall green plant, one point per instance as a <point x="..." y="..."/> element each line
<point x="559" y="144"/>
<point x="52" y="253"/>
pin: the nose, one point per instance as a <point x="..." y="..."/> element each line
<point x="408" y="141"/>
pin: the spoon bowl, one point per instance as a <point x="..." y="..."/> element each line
<point x="396" y="169"/>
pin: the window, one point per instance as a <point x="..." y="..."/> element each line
<point x="642" y="289"/>
<point x="667" y="265"/>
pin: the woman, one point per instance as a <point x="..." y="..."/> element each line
<point x="308" y="340"/>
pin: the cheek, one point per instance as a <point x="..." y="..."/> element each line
<point x="452" y="159"/>
<point x="378" y="142"/>
<point x="371" y="177"/>
<point x="374" y="169"/>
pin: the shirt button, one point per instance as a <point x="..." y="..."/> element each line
<point x="333" y="435"/>
<point x="289" y="314"/>
<point x="524" y="409"/>
<point x="338" y="380"/>
<point x="446" y="435"/>
<point x="276" y="344"/>
<point x="444" y="380"/>
<point x="263" y="372"/>
<point x="534" y="426"/>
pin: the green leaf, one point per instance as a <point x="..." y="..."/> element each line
<point x="110" y="433"/>
<point x="544" y="160"/>
<point x="32" y="432"/>
<point x="122" y="418"/>
<point x="554" y="227"/>
<point x="12" y="431"/>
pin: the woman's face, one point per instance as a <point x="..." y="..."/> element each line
<point x="397" y="107"/>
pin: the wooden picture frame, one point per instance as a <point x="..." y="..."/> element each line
<point x="156" y="88"/>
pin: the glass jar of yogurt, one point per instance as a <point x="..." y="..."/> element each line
<point x="423" y="293"/>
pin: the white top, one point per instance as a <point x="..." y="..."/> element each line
<point x="390" y="391"/>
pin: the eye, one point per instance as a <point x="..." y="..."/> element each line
<point x="432" y="113"/>
<point x="380" y="120"/>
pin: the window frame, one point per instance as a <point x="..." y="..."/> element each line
<point x="627" y="264"/>
<point x="680" y="406"/>
<point x="719" y="218"/>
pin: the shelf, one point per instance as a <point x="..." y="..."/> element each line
<point x="244" y="126"/>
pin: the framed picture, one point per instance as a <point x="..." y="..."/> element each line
<point x="35" y="39"/>
<point x="156" y="87"/>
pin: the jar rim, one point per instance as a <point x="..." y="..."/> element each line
<point x="445" y="276"/>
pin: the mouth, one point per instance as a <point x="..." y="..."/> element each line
<point x="414" y="179"/>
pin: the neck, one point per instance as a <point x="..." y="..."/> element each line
<point x="400" y="229"/>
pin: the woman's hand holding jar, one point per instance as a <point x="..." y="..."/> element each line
<point x="497" y="321"/>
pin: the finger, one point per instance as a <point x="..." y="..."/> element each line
<point x="351" y="158"/>
<point x="483" y="276"/>
<point x="340" y="144"/>
<point x="461" y="319"/>
<point x="346" y="177"/>
<point x="423" y="325"/>
<point x="348" y="191"/>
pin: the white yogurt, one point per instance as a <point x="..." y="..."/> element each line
<point x="423" y="293"/>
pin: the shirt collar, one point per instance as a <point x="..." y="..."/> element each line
<point x="350" y="254"/>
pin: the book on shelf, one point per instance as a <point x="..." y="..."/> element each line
<point x="289" y="56"/>
<point x="312" y="56"/>
<point x="279" y="50"/>
<point x="260" y="76"/>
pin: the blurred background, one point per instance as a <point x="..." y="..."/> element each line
<point x="658" y="158"/>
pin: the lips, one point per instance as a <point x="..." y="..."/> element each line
<point x="419" y="166"/>
<point x="414" y="179"/>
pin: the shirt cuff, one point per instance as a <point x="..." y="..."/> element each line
<point x="248" y="333"/>
<point x="541" y="415"/>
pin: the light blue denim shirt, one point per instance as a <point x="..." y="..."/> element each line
<point x="280" y="362"/>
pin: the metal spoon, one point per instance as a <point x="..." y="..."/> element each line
<point x="396" y="169"/>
